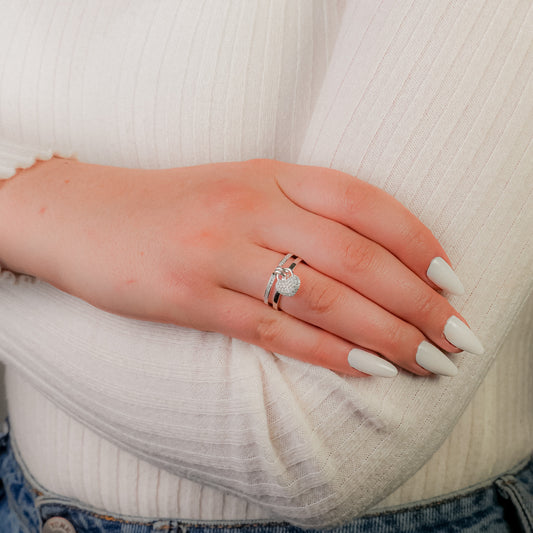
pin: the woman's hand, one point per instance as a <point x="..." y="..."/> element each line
<point x="197" y="246"/>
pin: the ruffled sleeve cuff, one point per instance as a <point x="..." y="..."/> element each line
<point x="15" y="156"/>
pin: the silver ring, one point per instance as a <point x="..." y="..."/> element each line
<point x="287" y="282"/>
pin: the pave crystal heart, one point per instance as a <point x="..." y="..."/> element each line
<point x="288" y="286"/>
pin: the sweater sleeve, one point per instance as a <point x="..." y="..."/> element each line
<point x="15" y="156"/>
<point x="435" y="113"/>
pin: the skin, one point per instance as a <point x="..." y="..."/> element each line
<point x="196" y="246"/>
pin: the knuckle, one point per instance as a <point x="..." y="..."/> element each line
<point x="321" y="297"/>
<point x="318" y="353"/>
<point x="268" y="331"/>
<point x="354" y="195"/>
<point x="264" y="166"/>
<point x="424" y="305"/>
<point x="417" y="235"/>
<point x="226" y="195"/>
<point x="359" y="256"/>
<point x="394" y="336"/>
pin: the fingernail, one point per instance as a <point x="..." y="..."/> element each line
<point x="432" y="359"/>
<point x="461" y="336"/>
<point x="371" y="364"/>
<point x="442" y="274"/>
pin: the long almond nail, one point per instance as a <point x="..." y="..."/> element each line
<point x="461" y="336"/>
<point x="432" y="359"/>
<point x="442" y="274"/>
<point x="371" y="364"/>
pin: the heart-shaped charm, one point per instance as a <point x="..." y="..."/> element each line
<point x="288" y="286"/>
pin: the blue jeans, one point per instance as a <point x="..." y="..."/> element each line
<point x="504" y="504"/>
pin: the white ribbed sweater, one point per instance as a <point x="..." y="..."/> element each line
<point x="430" y="100"/>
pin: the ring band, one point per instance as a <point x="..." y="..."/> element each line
<point x="273" y="278"/>
<point x="287" y="283"/>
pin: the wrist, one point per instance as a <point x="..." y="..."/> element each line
<point x="24" y="231"/>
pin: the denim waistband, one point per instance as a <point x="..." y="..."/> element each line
<point x="504" y="504"/>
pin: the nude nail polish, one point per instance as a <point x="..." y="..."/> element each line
<point x="371" y="364"/>
<point x="461" y="336"/>
<point x="432" y="359"/>
<point x="442" y="274"/>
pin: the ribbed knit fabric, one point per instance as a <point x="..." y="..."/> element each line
<point x="429" y="100"/>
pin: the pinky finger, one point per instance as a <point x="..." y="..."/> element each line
<point x="240" y="316"/>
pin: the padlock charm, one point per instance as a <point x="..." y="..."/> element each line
<point x="287" y="283"/>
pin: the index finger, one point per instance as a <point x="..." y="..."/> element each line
<point x="373" y="213"/>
